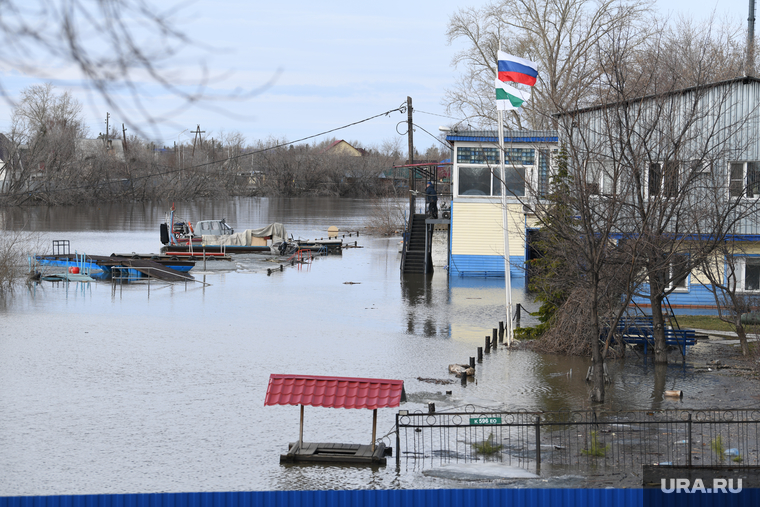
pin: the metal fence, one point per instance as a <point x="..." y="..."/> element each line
<point x="597" y="439"/>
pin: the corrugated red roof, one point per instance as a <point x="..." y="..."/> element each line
<point x="335" y="392"/>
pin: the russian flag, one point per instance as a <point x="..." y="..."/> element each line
<point x="519" y="70"/>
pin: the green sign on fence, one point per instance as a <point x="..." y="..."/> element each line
<point x="483" y="420"/>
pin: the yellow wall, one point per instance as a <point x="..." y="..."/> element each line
<point x="477" y="229"/>
<point x="747" y="248"/>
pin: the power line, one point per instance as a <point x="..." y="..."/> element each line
<point x="434" y="114"/>
<point x="434" y="137"/>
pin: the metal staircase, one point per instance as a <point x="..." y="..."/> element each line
<point x="416" y="258"/>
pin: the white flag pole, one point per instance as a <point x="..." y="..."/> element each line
<point x="507" y="274"/>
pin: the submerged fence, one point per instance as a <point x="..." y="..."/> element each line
<point x="603" y="440"/>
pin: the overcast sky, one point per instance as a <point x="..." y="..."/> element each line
<point x="332" y="64"/>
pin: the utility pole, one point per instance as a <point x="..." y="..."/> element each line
<point x="751" y="40"/>
<point x="124" y="135"/>
<point x="197" y="133"/>
<point x="410" y="130"/>
<point x="108" y="116"/>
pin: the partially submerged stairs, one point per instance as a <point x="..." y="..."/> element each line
<point x="416" y="257"/>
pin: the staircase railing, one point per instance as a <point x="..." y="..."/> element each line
<point x="405" y="238"/>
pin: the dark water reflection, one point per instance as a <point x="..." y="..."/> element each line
<point x="124" y="389"/>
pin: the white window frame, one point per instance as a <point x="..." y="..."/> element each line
<point x="740" y="263"/>
<point x="686" y="287"/>
<point x="745" y="183"/>
<point x="531" y="173"/>
<point x="661" y="188"/>
<point x="598" y="180"/>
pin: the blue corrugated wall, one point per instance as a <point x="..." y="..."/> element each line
<point x="400" y="498"/>
<point x="484" y="265"/>
<point x="373" y="498"/>
<point x="697" y="295"/>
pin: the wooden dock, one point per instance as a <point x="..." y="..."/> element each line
<point x="155" y="270"/>
<point x="350" y="454"/>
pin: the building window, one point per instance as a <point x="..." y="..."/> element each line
<point x="515" y="180"/>
<point x="467" y="155"/>
<point x="490" y="156"/>
<point x="744" y="179"/>
<point x="474" y="181"/>
<point x="679" y="273"/>
<point x="748" y="273"/>
<point x="599" y="180"/>
<point x="479" y="172"/>
<point x="663" y="179"/>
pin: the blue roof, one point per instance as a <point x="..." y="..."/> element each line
<point x="510" y="136"/>
<point x="506" y="139"/>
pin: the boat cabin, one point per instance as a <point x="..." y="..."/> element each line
<point x="213" y="228"/>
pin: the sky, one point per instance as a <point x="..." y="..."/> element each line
<point x="312" y="67"/>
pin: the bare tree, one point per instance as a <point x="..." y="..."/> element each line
<point x="594" y="274"/>
<point x="562" y="36"/>
<point x="664" y="158"/>
<point x="121" y="48"/>
<point x="732" y="276"/>
<point x="45" y="127"/>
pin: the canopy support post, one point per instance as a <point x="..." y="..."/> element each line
<point x="374" y="428"/>
<point x="300" y="433"/>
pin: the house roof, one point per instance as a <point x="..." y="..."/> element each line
<point x="680" y="91"/>
<point x="341" y="147"/>
<point x="334" y="392"/>
<point x="510" y="136"/>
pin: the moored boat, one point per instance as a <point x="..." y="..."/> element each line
<point x="103" y="267"/>
<point x="180" y="237"/>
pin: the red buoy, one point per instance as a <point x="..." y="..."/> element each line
<point x="74" y="270"/>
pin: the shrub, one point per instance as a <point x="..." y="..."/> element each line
<point x="596" y="448"/>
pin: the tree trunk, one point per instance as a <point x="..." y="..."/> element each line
<point x="597" y="360"/>
<point x="658" y="330"/>
<point x="742" y="336"/>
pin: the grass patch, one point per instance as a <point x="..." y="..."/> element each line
<point x="487" y="447"/>
<point x="718" y="448"/>
<point x="596" y="448"/>
<point x="707" y="322"/>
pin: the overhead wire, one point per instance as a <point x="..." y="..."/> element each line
<point x="448" y="147"/>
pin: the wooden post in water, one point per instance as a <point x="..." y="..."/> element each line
<point x="398" y="444"/>
<point x="517" y="315"/>
<point x="374" y="429"/>
<point x="300" y="432"/>
<point x="501" y="331"/>
<point x="472" y="363"/>
<point x="480" y="354"/>
<point x="493" y="338"/>
<point x="538" y="445"/>
<point x="488" y="344"/>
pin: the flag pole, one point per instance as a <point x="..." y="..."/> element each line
<point x="507" y="274"/>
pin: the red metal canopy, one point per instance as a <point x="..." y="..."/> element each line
<point x="335" y="392"/>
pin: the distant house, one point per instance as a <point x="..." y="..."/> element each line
<point x="344" y="149"/>
<point x="89" y="148"/>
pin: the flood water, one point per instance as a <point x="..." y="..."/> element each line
<point x="127" y="389"/>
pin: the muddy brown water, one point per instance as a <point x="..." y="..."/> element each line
<point x="126" y="389"/>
